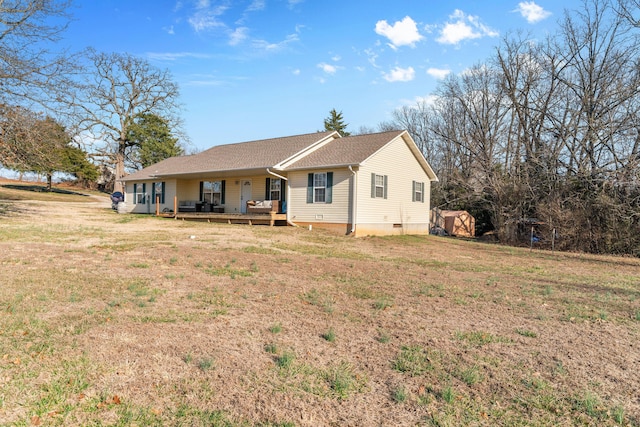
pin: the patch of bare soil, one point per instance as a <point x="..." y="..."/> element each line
<point x="283" y="325"/>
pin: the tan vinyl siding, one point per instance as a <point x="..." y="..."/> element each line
<point x="190" y="190"/>
<point x="149" y="206"/>
<point x="335" y="212"/>
<point x="169" y="194"/>
<point x="396" y="161"/>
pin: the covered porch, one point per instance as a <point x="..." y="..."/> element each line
<point x="270" y="216"/>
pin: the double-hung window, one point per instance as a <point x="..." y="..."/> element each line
<point x="139" y="193"/>
<point x="320" y="187"/>
<point x="158" y="192"/>
<point x="379" y="186"/>
<point x="212" y="192"/>
<point x="418" y="191"/>
<point x="275" y="188"/>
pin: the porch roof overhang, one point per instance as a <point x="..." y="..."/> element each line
<point x="229" y="173"/>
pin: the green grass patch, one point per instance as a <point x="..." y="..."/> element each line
<point x="470" y="375"/>
<point x="330" y="335"/>
<point x="271" y="348"/>
<point x="480" y="338"/>
<point x="205" y="364"/>
<point x="285" y="360"/>
<point x="343" y="380"/>
<point x="526" y="333"/>
<point x="399" y="394"/>
<point x="383" y="303"/>
<point x="260" y="250"/>
<point x="228" y="270"/>
<point x="275" y="328"/>
<point x="412" y="360"/>
<point x="319" y="299"/>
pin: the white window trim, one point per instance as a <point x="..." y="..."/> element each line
<point x="324" y="187"/>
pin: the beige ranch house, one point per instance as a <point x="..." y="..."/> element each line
<point x="375" y="184"/>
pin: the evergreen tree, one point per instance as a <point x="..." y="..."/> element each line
<point x="152" y="141"/>
<point x="336" y="122"/>
<point x="31" y="143"/>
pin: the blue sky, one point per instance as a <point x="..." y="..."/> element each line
<point x="265" y="68"/>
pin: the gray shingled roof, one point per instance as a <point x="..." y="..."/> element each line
<point x="351" y="150"/>
<point x="275" y="153"/>
<point x="260" y="154"/>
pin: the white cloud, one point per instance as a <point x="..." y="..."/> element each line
<point x="239" y="35"/>
<point x="372" y="56"/>
<point x="212" y="82"/>
<point x="438" y="73"/>
<point x="532" y="12"/>
<point x="256" y="5"/>
<point x="169" y="30"/>
<point x="328" y="68"/>
<point x="206" y="18"/>
<point x="174" y="56"/>
<point x="400" y="75"/>
<point x="464" y="27"/>
<point x="401" y="33"/>
<point x="418" y="102"/>
<point x="296" y="72"/>
<point x="275" y="47"/>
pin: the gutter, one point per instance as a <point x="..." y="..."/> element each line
<point x="276" y="175"/>
<point x="354" y="198"/>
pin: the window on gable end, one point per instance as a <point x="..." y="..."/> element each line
<point x="379" y="186"/>
<point x="418" y="191"/>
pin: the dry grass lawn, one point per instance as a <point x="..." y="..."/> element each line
<point x="123" y="320"/>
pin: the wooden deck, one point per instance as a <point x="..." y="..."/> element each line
<point x="231" y="218"/>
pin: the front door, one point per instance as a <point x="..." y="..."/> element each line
<point x="245" y="195"/>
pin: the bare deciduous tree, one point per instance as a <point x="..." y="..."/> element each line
<point x="29" y="68"/>
<point x="546" y="132"/>
<point x="119" y="88"/>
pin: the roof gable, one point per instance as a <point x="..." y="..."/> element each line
<point x="355" y="150"/>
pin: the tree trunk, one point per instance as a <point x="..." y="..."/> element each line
<point x="120" y="156"/>
<point x="117" y="184"/>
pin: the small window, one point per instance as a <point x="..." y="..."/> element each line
<point x="140" y="190"/>
<point x="319" y="187"/>
<point x="158" y="192"/>
<point x="418" y="191"/>
<point x="378" y="186"/>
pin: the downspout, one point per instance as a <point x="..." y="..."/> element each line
<point x="354" y="200"/>
<point x="287" y="180"/>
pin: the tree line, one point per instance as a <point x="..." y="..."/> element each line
<point x="544" y="134"/>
